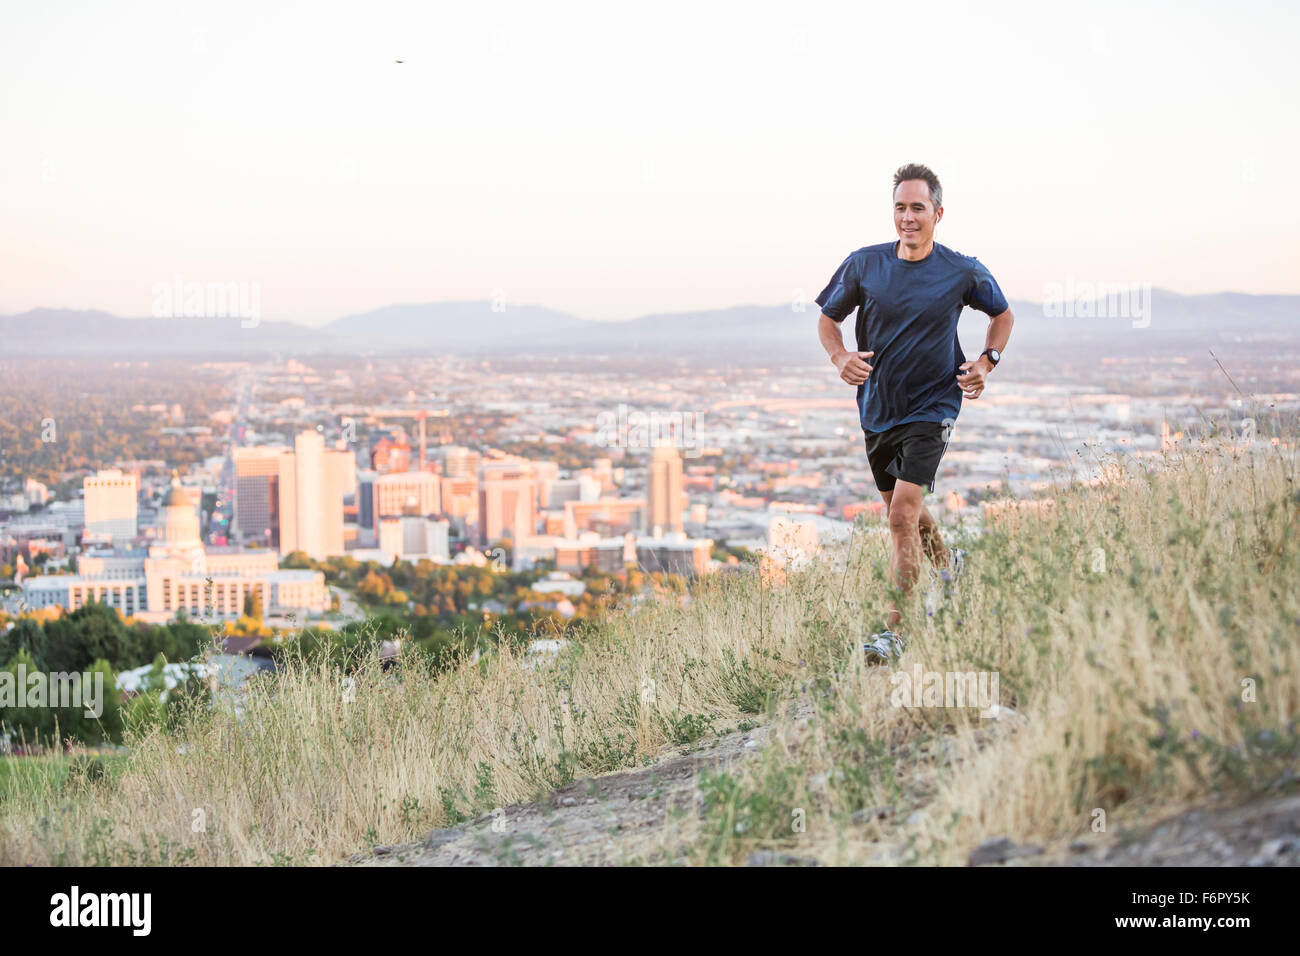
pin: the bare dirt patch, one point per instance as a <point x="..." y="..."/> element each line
<point x="618" y="818"/>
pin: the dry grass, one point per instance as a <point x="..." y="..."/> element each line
<point x="1110" y="672"/>
<point x="1122" y="624"/>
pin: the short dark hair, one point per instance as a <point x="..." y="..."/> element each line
<point x="918" y="171"/>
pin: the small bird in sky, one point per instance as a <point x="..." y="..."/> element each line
<point x="399" y="61"/>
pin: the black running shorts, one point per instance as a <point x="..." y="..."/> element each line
<point x="910" y="451"/>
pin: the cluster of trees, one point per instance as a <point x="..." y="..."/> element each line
<point x="95" y="639"/>
<point x="420" y="590"/>
<point x="97" y="632"/>
<point x="39" y="722"/>
<point x="45" y="723"/>
<point x="250" y="623"/>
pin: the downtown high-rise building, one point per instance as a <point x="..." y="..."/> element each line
<point x="460" y="500"/>
<point x="507" y="496"/>
<point x="292" y="498"/>
<point x="663" y="510"/>
<point x="408" y="536"/>
<point x="257" y="473"/>
<point x="406" y="493"/>
<point x="459" y="461"/>
<point x="302" y="497"/>
<point x="312" y="482"/>
<point x="110" y="498"/>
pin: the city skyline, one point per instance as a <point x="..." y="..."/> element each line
<point x="198" y="560"/>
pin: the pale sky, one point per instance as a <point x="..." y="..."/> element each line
<point x="613" y="161"/>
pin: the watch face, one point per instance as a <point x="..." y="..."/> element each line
<point x="995" y="355"/>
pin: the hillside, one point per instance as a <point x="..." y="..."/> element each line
<point x="634" y="817"/>
<point x="1143" y="633"/>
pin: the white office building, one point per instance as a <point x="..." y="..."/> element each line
<point x="110" y="498"/>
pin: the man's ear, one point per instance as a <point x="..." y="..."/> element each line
<point x="938" y="215"/>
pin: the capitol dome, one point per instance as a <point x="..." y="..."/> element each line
<point x="178" y="522"/>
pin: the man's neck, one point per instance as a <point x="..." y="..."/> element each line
<point x="912" y="255"/>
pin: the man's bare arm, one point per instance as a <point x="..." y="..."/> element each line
<point x="972" y="382"/>
<point x="851" y="365"/>
<point x="999" y="331"/>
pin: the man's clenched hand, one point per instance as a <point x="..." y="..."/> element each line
<point x="972" y="382"/>
<point x="853" y="367"/>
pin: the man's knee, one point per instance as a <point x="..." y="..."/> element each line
<point x="904" y="515"/>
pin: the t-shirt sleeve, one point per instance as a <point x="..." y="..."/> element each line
<point x="842" y="294"/>
<point x="983" y="293"/>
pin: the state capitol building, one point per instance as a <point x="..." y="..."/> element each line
<point x="177" y="573"/>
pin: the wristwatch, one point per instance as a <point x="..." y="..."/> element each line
<point x="994" y="356"/>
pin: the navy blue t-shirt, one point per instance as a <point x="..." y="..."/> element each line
<point x="907" y="315"/>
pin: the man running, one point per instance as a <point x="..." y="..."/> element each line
<point x="908" y="294"/>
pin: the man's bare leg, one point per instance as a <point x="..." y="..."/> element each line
<point x="905" y="529"/>
<point x="931" y="542"/>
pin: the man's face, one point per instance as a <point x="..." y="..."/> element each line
<point x="914" y="214"/>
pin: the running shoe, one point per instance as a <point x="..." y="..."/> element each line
<point x="884" y="647"/>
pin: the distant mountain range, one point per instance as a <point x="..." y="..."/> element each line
<point x="1157" y="323"/>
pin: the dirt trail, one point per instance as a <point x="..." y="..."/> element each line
<point x="1262" y="832"/>
<point x="612" y="819"/>
<point x="625" y="818"/>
